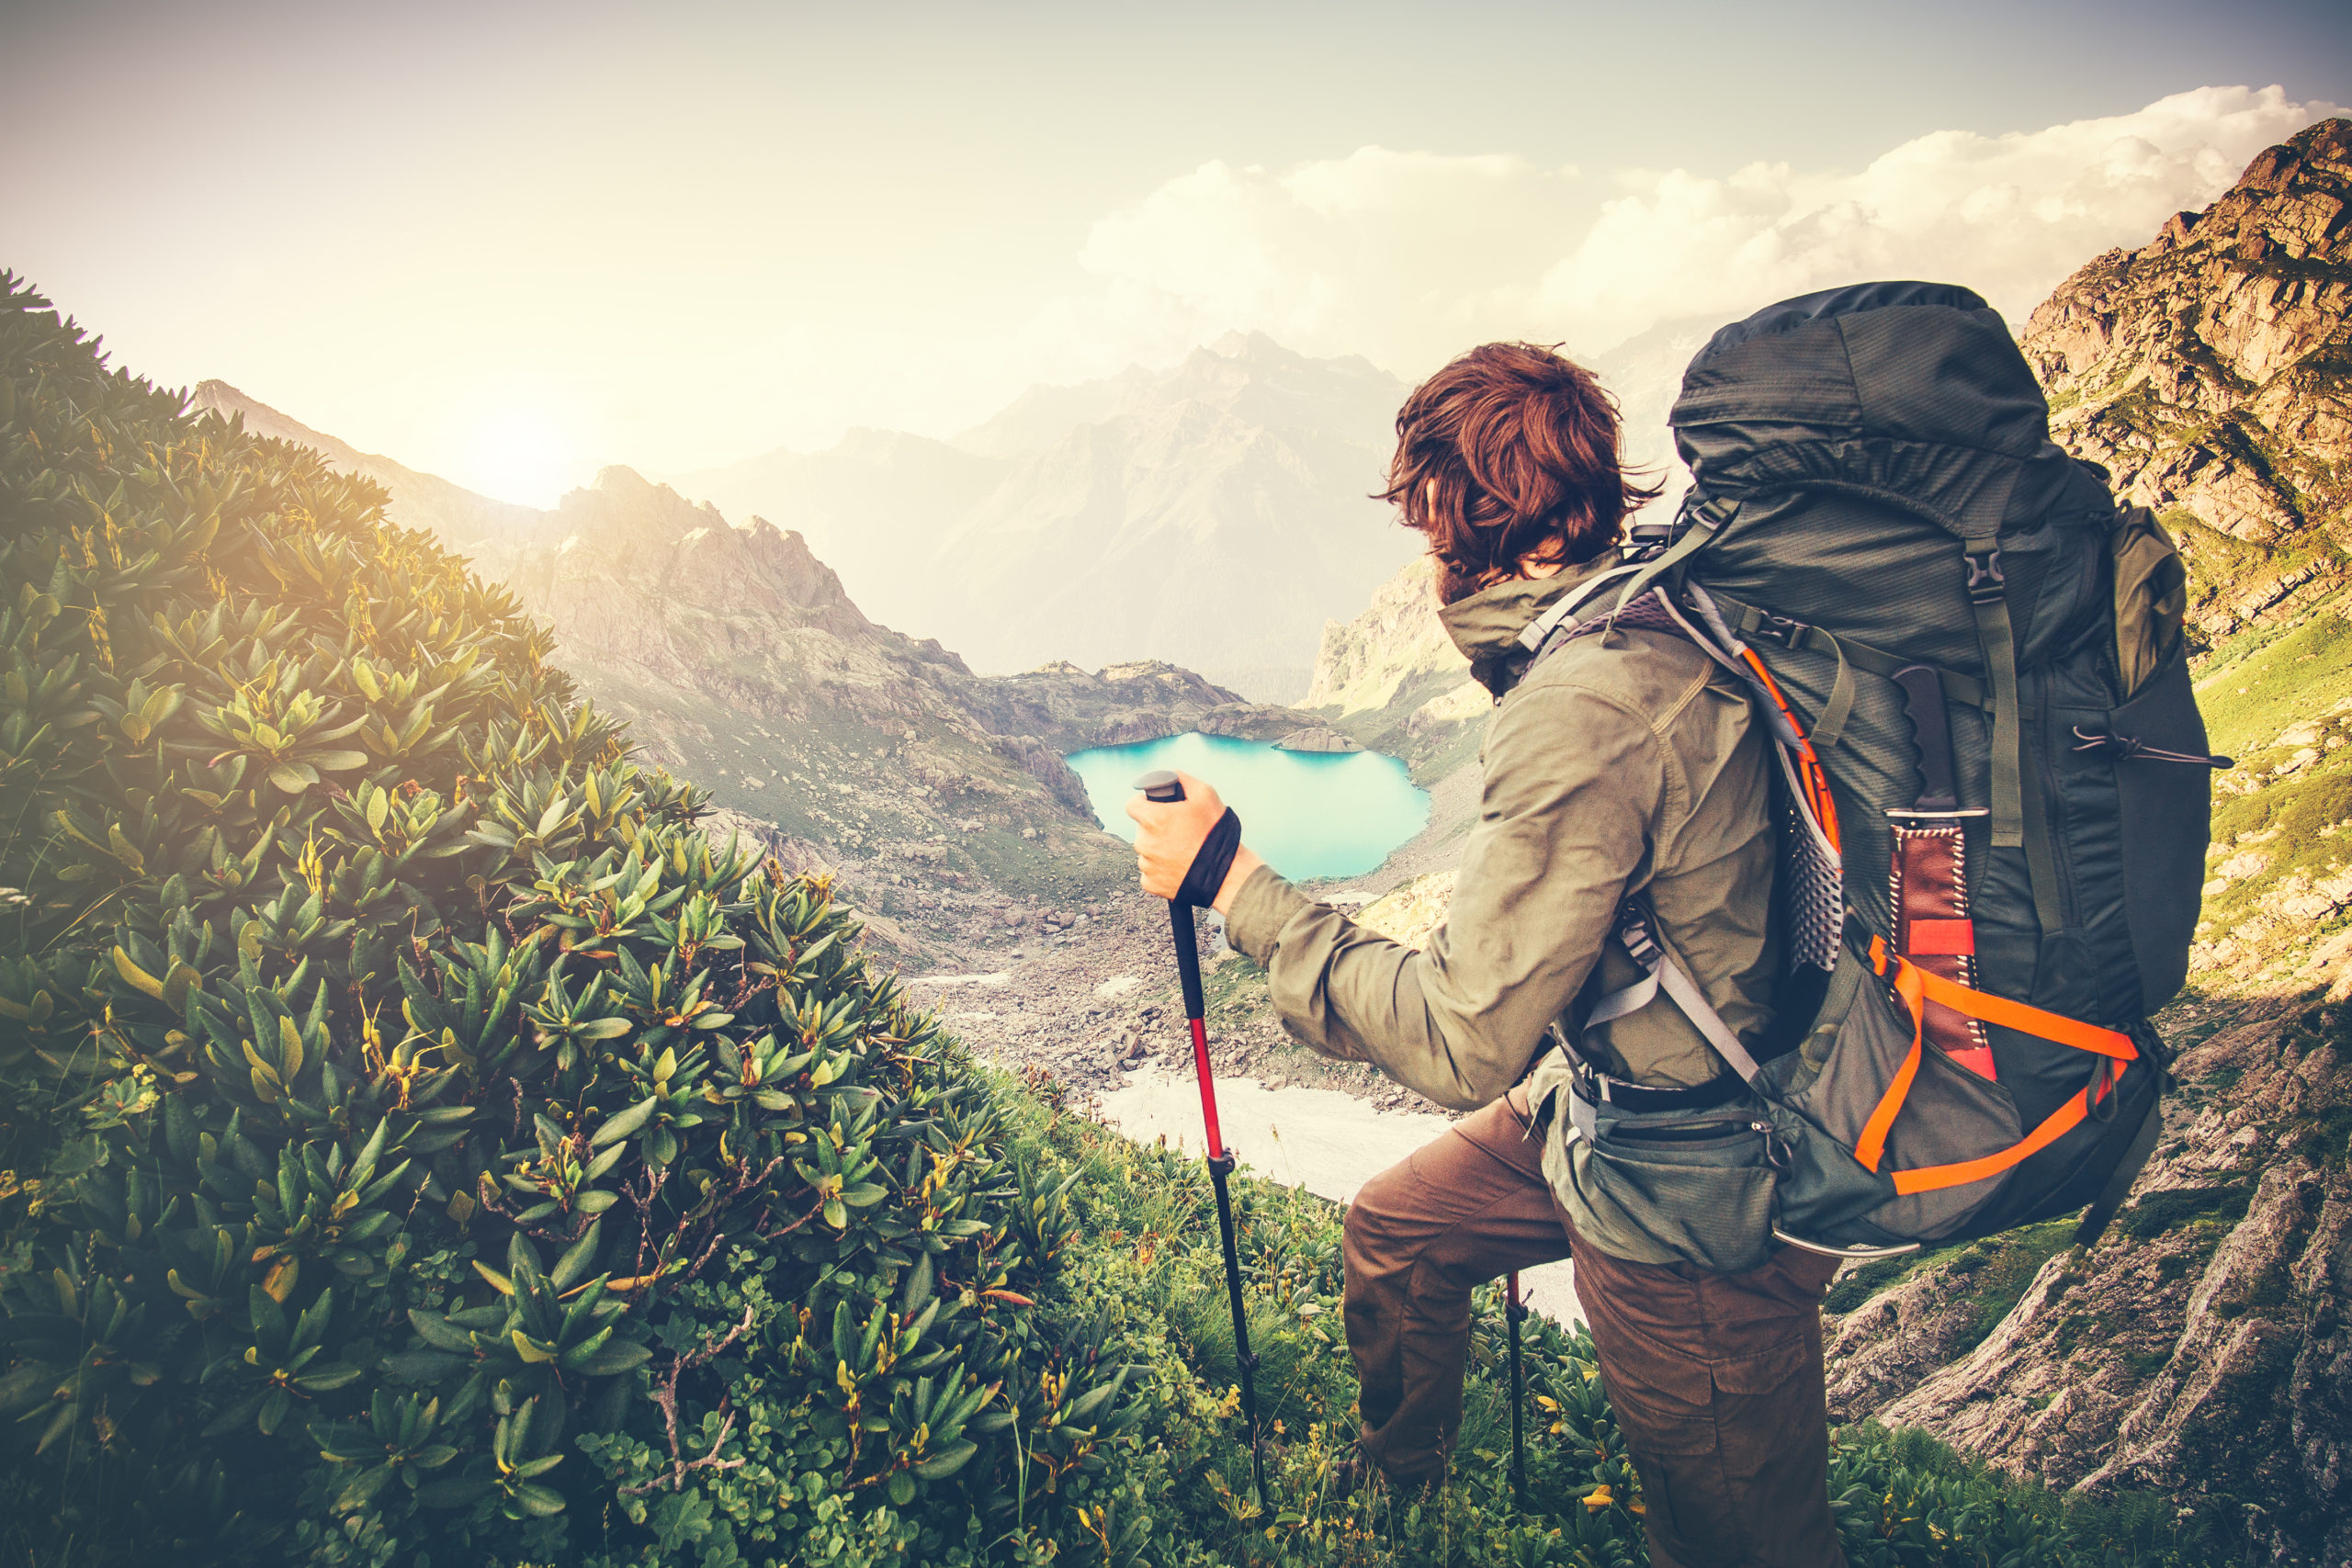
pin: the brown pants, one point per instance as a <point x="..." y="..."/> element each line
<point x="1717" y="1378"/>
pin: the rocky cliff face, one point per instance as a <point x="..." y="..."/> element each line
<point x="2211" y="371"/>
<point x="1392" y="678"/>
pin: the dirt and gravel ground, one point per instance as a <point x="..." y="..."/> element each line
<point x="1087" y="989"/>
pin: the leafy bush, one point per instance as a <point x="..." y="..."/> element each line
<point x="411" y="1113"/>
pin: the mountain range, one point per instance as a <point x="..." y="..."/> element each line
<point x="739" y="660"/>
<point x="1213" y="515"/>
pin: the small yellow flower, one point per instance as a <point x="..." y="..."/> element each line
<point x="1599" y="1497"/>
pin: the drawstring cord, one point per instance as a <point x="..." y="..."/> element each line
<point x="2128" y="749"/>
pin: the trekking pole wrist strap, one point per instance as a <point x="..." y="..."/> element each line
<point x="1205" y="876"/>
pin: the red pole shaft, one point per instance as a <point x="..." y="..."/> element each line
<point x="1208" y="1087"/>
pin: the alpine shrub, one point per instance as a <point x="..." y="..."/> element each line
<point x="410" y="1113"/>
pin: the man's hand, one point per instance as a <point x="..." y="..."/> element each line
<point x="1169" y="833"/>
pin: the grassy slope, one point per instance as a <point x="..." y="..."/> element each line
<point x="1139" y="1264"/>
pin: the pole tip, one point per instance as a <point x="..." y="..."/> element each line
<point x="1160" y="785"/>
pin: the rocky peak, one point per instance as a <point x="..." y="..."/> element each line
<point x="2210" y="372"/>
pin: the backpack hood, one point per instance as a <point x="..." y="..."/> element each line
<point x="1888" y="365"/>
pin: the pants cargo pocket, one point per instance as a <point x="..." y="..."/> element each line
<point x="1767" y="1405"/>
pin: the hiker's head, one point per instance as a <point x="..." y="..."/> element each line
<point x="1506" y="461"/>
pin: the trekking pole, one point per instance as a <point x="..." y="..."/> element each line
<point x="1514" y="1310"/>
<point x="1163" y="787"/>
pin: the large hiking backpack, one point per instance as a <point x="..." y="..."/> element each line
<point x="1995" y="784"/>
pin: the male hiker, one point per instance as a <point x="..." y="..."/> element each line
<point x="1630" y="763"/>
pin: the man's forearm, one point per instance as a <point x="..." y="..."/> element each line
<point x="1351" y="993"/>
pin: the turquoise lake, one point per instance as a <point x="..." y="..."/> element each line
<point x="1307" y="814"/>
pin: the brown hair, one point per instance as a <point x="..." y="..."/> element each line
<point x="1510" y="451"/>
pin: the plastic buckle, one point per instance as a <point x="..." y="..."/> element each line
<point x="1645" y="542"/>
<point x="1641" y="947"/>
<point x="1985" y="582"/>
<point x="1781" y="630"/>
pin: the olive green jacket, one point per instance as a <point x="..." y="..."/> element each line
<point x="1626" y="763"/>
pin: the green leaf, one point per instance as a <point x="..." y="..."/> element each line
<point x="137" y="978"/>
<point x="328" y="1377"/>
<point x="293" y="777"/>
<point x="940" y="1466"/>
<point x="440" y="1333"/>
<point x="626" y="1123"/>
<point x="574" y="1263"/>
<point x="338" y="762"/>
<point x="614" y="1359"/>
<point x="538" y="1501"/>
<point x="423" y="1366"/>
<point x="290" y="1049"/>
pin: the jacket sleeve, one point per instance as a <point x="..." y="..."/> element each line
<point x="1574" y="787"/>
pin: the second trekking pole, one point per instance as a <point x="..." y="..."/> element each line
<point x="1514" y="1310"/>
<point x="1163" y="787"/>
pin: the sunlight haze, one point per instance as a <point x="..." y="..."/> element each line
<point x="511" y="244"/>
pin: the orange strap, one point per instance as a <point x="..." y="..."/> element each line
<point x="1809" y="769"/>
<point x="1916" y="987"/>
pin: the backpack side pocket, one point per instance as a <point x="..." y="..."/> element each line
<point x="1943" y="1114"/>
<point x="2163" y="786"/>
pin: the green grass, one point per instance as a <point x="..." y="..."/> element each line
<point x="2255" y="685"/>
<point x="2160" y="1213"/>
<point x="1142" y="1275"/>
<point x="1993" y="1273"/>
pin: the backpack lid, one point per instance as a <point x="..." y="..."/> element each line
<point x="1903" y="362"/>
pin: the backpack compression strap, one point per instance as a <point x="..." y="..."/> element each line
<point x="1918" y="987"/>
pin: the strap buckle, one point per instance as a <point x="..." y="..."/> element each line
<point x="1645" y="542"/>
<point x="1985" y="582"/>
<point x="1635" y="935"/>
<point x="1782" y="631"/>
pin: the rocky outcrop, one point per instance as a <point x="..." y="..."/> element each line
<point x="2210" y="372"/>
<point x="1392" y="678"/>
<point x="742" y="661"/>
<point x="1316" y="740"/>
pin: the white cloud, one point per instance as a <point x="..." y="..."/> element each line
<point x="2009" y="215"/>
<point x="1408" y="258"/>
<point x="1357" y="255"/>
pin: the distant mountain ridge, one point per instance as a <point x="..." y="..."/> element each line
<point x="1213" y="515"/>
<point x="459" y="518"/>
<point x="740" y="660"/>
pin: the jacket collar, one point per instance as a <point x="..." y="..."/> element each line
<point x="1486" y="624"/>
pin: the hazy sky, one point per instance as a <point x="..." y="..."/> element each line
<point x="512" y="242"/>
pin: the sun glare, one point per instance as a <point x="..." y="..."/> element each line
<point x="521" y="455"/>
